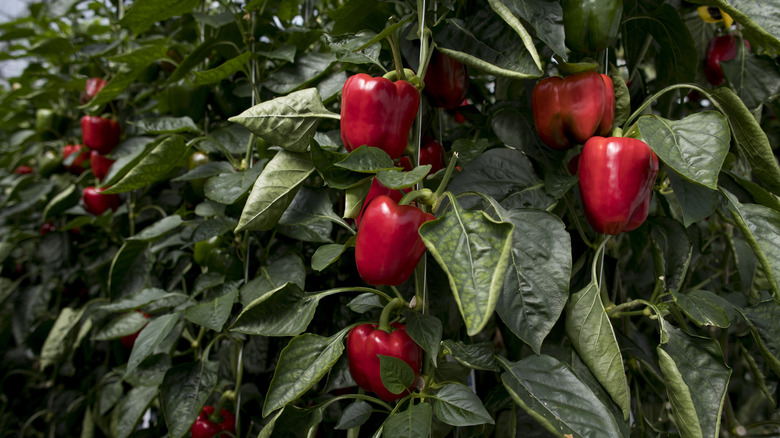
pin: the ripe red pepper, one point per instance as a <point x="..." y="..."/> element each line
<point x="100" y="164"/>
<point x="446" y="81"/>
<point x="47" y="228"/>
<point x="377" y="188"/>
<point x="203" y="427"/>
<point x="722" y="48"/>
<point x="99" y="133"/>
<point x="616" y="177"/>
<point x="571" y="110"/>
<point x="82" y="154"/>
<point x="93" y="86"/>
<point x="377" y="112"/>
<point x="96" y="202"/>
<point x="23" y="170"/>
<point x="432" y="153"/>
<point x="366" y="341"/>
<point x="387" y="245"/>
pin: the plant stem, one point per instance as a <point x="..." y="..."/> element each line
<point x="384" y="319"/>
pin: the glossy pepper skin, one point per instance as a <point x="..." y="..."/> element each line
<point x="616" y="177"/>
<point x="446" y="81"/>
<point x="91" y="89"/>
<point x="366" y="341"/>
<point x="377" y="188"/>
<point x="720" y="49"/>
<point x="377" y="112"/>
<point x="100" y="165"/>
<point x="203" y="427"/>
<point x="591" y="25"/>
<point x="96" y="202"/>
<point x="569" y="111"/>
<point x="432" y="152"/>
<point x="99" y="133"/>
<point x="387" y="245"/>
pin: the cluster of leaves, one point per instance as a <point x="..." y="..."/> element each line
<point x="527" y="328"/>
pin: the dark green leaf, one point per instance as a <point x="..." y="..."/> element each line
<point x="207" y="170"/>
<point x="426" y="331"/>
<point x="622" y="96"/>
<point x="285" y="311"/>
<point x="225" y="70"/>
<point x="396" y="374"/>
<point x="139" y="299"/>
<point x="546" y="17"/>
<point x="158" y="229"/>
<point x="703" y="307"/>
<point x="214" y="313"/>
<point x="366" y="159"/>
<point x="302" y="363"/>
<point x="477" y="356"/>
<point x="130" y="268"/>
<point x="154" y="166"/>
<point x="149" y="338"/>
<point x="672" y="250"/>
<point x="306" y="68"/>
<point x="365" y="302"/>
<point x="354" y="415"/>
<point x="62" y="201"/>
<point x="132" y="408"/>
<point x="228" y="188"/>
<point x="762" y="320"/>
<point x="347" y="48"/>
<point x="144" y="13"/>
<point x="336" y="177"/>
<point x="678" y="61"/>
<point x="394" y="179"/>
<point x="326" y="255"/>
<point x="281" y="270"/>
<point x="166" y="125"/>
<point x="458" y="405"/>
<point x="414" y="422"/>
<point x="124" y="325"/>
<point x="56" y="344"/>
<point x="184" y="391"/>
<point x="311" y="205"/>
<point x="696" y="201"/>
<point x="695" y="147"/>
<point x="755" y="79"/>
<point x="212" y="227"/>
<point x="474" y="251"/>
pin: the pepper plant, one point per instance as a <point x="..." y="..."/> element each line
<point x="218" y="291"/>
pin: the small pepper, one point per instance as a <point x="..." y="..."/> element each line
<point x="720" y="49"/>
<point x="204" y="427"/>
<point x="446" y="81"/>
<point x="377" y="112"/>
<point x="100" y="134"/>
<point x="616" y="177"/>
<point x="591" y="26"/>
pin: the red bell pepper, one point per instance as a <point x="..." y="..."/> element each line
<point x="96" y="202"/>
<point x="446" y="81"/>
<point x="366" y="341"/>
<point x="571" y="110"/>
<point x="204" y="427"/>
<point x="432" y="153"/>
<point x="100" y="134"/>
<point x="377" y="188"/>
<point x="377" y="112"/>
<point x="100" y="165"/>
<point x="387" y="245"/>
<point x="616" y="177"/>
<point x="82" y="154"/>
<point x="719" y="49"/>
<point x="23" y="170"/>
<point x="93" y="86"/>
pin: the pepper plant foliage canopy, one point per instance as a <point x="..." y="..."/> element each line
<point x="237" y="270"/>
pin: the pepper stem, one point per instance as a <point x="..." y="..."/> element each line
<point x="384" y="319"/>
<point x="216" y="417"/>
<point x="424" y="195"/>
<point x="399" y="69"/>
<point x="446" y="179"/>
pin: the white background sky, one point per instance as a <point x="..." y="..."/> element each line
<point x="10" y="10"/>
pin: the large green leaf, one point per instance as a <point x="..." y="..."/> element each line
<point x="56" y="344"/>
<point x="227" y="188"/>
<point x="274" y="190"/>
<point x="132" y="408"/>
<point x="280" y="270"/>
<point x="306" y="68"/>
<point x="302" y="363"/>
<point x="474" y="252"/>
<point x="762" y="320"/>
<point x="695" y="147"/>
<point x="751" y="139"/>
<point x="130" y="268"/>
<point x="214" y="313"/>
<point x="696" y="201"/>
<point x="149" y="338"/>
<point x="536" y="285"/>
<point x="557" y="399"/>
<point x="414" y="422"/>
<point x="755" y="79"/>
<point x="704" y="307"/>
<point x="284" y="311"/>
<point x="144" y="13"/>
<point x="184" y="391"/>
<point x="309" y="206"/>
<point x="154" y="166"/>
<point x="591" y="333"/>
<point x="224" y="70"/>
<point x="426" y="331"/>
<point x="761" y="227"/>
<point x="546" y="17"/>
<point x="696" y="378"/>
<point x="458" y="405"/>
<point x="672" y="250"/>
<point x="477" y="356"/>
<point x="288" y="121"/>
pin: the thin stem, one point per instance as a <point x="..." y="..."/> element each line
<point x="338" y="290"/>
<point x="384" y="318"/>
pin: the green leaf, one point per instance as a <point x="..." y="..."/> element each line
<point x="354" y="198"/>
<point x="457" y="405"/>
<point x="127" y="155"/>
<point x="761" y="227"/>
<point x="356" y="15"/>
<point x="696" y="201"/>
<point x="426" y="331"/>
<point x="622" y="96"/>
<point x="468" y="149"/>
<point x="55" y="345"/>
<point x="149" y="338"/>
<point x="311" y="205"/>
<point x="158" y="229"/>
<point x="367" y="159"/>
<point x="353" y="48"/>
<point x="551" y="393"/>
<point x="751" y="139"/>
<point x="546" y="17"/>
<point x="414" y="422"/>
<point x="508" y="15"/>
<point x="754" y="78"/>
<point x="304" y="70"/>
<point x="139" y="299"/>
<point x="591" y="333"/>
<point x="166" y="125"/>
<point x="185" y="389"/>
<point x="62" y="201"/>
<point x="762" y="320"/>
<point x="672" y="250"/>
<point x="354" y="415"/>
<point x="223" y="71"/>
<point x="474" y="252"/>
<point x="130" y="268"/>
<point x="477" y="356"/>
<point x="227" y="188"/>
<point x="288" y="121"/>
<point x="209" y="228"/>
<point x="132" y="408"/>
<point x="326" y="255"/>
<point x="124" y="325"/>
<point x="703" y="307"/>
<point x="696" y="379"/>
<point x="144" y="13"/>
<point x="284" y="311"/>
<point x="394" y="179"/>
<point x="302" y="363"/>
<point x="397" y="376"/>
<point x="695" y="147"/>
<point x="476" y="43"/>
<point x="274" y="191"/>
<point x="151" y="371"/>
<point x="154" y="166"/>
<point x="365" y="302"/>
<point x="336" y="177"/>
<point x="281" y="270"/>
<point x="212" y="314"/>
<point x="536" y="284"/>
